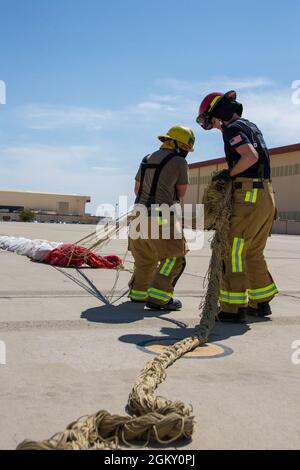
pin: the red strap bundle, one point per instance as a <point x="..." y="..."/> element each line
<point x="75" y="256"/>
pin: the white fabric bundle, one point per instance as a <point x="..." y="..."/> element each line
<point x="34" y="249"/>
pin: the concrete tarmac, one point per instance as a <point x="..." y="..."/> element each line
<point x="68" y="354"/>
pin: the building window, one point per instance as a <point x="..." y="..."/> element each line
<point x="205" y="179"/>
<point x="194" y="180"/>
<point x="287" y="170"/>
<point x="290" y="215"/>
<point x="63" y="207"/>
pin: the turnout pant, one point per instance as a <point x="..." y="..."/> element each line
<point x="158" y="264"/>
<point x="246" y="279"/>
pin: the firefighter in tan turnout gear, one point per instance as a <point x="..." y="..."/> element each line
<point x="157" y="246"/>
<point x="247" y="286"/>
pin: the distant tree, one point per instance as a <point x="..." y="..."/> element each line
<point x="27" y="215"/>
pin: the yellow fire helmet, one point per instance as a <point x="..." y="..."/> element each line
<point x="184" y="136"/>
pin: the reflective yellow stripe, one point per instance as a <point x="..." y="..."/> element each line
<point x="236" y="255"/>
<point x="263" y="293"/>
<point x="164" y="266"/>
<point x="233" y="257"/>
<point x="214" y="101"/>
<point x="233" y="297"/>
<point x="225" y="300"/>
<point x="171" y="266"/>
<point x="233" y="294"/>
<point x="248" y="196"/>
<point x="254" y="198"/>
<point x="159" y="294"/>
<point x="240" y="255"/>
<point x="168" y="266"/>
<point x="262" y="289"/>
<point x="159" y="219"/>
<point x="138" y="294"/>
<point x="251" y="196"/>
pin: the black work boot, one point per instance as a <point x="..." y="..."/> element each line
<point x="173" y="304"/>
<point x="263" y="309"/>
<point x="238" y="317"/>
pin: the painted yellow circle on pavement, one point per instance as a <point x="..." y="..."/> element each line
<point x="207" y="350"/>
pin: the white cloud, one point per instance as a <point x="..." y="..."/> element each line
<point x="164" y="108"/>
<point x="268" y="104"/>
<point x="57" y="117"/>
<point x="265" y="102"/>
<point x="161" y="108"/>
<point x="46" y="155"/>
<point x="156" y="109"/>
<point x="241" y="84"/>
<point x="199" y="87"/>
<point x="106" y="169"/>
<point x="165" y="98"/>
<point x="64" y="170"/>
<point x="148" y="107"/>
<point x="275" y="114"/>
<point x="152" y="110"/>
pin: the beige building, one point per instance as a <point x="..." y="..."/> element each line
<point x="48" y="207"/>
<point x="285" y="163"/>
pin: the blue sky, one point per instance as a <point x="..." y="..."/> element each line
<point x="91" y="83"/>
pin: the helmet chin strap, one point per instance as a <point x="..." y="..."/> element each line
<point x="184" y="153"/>
<point x="176" y="146"/>
<point x="221" y="123"/>
<point x="180" y="151"/>
<point x="173" y="145"/>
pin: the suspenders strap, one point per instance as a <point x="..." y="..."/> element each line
<point x="158" y="167"/>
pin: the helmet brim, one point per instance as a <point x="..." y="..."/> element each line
<point x="204" y="121"/>
<point x="165" y="137"/>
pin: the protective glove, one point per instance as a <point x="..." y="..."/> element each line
<point x="223" y="175"/>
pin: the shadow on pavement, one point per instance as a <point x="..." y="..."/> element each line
<point x="127" y="312"/>
<point x="220" y="332"/>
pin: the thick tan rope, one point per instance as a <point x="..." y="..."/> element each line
<point x="156" y="419"/>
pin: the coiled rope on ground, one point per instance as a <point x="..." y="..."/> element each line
<point x="155" y="418"/>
